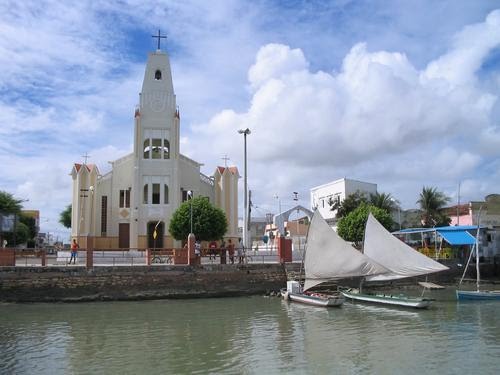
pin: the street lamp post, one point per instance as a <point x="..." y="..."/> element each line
<point x="190" y="195"/>
<point x="245" y="132"/>
<point x="396" y="202"/>
<point x="296" y="199"/>
<point x="276" y="196"/>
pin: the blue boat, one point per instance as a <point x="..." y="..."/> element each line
<point x="485" y="295"/>
<point x="478" y="295"/>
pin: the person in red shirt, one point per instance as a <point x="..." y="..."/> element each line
<point x="230" y="250"/>
<point x="212" y="246"/>
<point x="74" y="252"/>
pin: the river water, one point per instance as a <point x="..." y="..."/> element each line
<point x="249" y="335"/>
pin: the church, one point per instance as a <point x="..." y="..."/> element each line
<point x="131" y="206"/>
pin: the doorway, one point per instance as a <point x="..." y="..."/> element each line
<point x="123" y="235"/>
<point x="155" y="241"/>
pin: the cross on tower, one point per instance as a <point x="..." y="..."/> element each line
<point x="86" y="156"/>
<point x="159" y="37"/>
<point x="225" y="158"/>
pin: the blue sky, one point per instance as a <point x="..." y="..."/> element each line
<point x="400" y="93"/>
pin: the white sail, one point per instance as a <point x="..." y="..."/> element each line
<point x="329" y="257"/>
<point x="400" y="259"/>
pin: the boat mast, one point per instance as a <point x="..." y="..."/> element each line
<point x="477" y="249"/>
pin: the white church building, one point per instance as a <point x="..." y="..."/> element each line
<point x="122" y="208"/>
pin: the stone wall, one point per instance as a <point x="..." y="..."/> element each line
<point x="39" y="284"/>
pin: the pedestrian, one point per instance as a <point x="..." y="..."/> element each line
<point x="240" y="250"/>
<point x="197" y="249"/>
<point x="212" y="246"/>
<point x="74" y="251"/>
<point x="223" y="252"/>
<point x="230" y="250"/>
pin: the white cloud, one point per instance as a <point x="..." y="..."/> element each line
<point x="378" y="107"/>
<point x="375" y="92"/>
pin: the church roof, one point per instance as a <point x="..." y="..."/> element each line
<point x="89" y="167"/>
<point x="233" y="170"/>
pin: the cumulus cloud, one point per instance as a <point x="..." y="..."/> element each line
<point x="379" y="106"/>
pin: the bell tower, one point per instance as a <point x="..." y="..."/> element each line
<point x="156" y="151"/>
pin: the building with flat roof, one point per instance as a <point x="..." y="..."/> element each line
<point x="323" y="195"/>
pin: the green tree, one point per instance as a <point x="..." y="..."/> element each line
<point x="432" y="202"/>
<point x="349" y="204"/>
<point x="22" y="234"/>
<point x="385" y="201"/>
<point x="65" y="217"/>
<point x="209" y="222"/>
<point x="352" y="227"/>
<point x="30" y="223"/>
<point x="8" y="204"/>
<point x="12" y="206"/>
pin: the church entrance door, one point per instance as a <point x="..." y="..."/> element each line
<point x="123" y="235"/>
<point x="155" y="241"/>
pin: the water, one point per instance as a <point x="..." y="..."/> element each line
<point x="250" y="335"/>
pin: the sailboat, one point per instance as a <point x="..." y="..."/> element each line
<point x="328" y="258"/>
<point x="400" y="260"/>
<point x="476" y="294"/>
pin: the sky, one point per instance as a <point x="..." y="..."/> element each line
<point x="403" y="94"/>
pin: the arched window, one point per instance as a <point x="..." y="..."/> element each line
<point x="165" y="194"/>
<point x="166" y="149"/>
<point x="156" y="194"/>
<point x="145" y="194"/>
<point x="158" y="75"/>
<point x="147" y="149"/>
<point x="156" y="149"/>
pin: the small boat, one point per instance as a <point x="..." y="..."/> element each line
<point x="293" y="293"/>
<point x="400" y="261"/>
<point x="328" y="258"/>
<point x="389" y="299"/>
<point x="476" y="294"/>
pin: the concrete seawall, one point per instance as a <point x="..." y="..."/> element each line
<point x="71" y="284"/>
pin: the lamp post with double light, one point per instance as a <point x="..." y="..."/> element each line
<point x="245" y="132"/>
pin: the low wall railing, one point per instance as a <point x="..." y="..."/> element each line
<point x="133" y="257"/>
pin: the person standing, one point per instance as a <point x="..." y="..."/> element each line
<point x="212" y="246"/>
<point x="230" y="250"/>
<point x="74" y="251"/>
<point x="240" y="251"/>
<point x="223" y="252"/>
<point x="197" y="252"/>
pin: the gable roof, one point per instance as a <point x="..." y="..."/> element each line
<point x="232" y="170"/>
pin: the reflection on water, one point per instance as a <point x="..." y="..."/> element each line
<point x="251" y="335"/>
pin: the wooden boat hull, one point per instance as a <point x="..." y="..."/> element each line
<point x="478" y="295"/>
<point x="402" y="301"/>
<point x="316" y="300"/>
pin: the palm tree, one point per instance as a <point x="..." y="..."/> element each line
<point x="431" y="204"/>
<point x="385" y="201"/>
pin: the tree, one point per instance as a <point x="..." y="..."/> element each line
<point x="349" y="204"/>
<point x="65" y="217"/>
<point x="209" y="222"/>
<point x="385" y="201"/>
<point x="8" y="204"/>
<point x="432" y="203"/>
<point x="352" y="227"/>
<point x="31" y="227"/>
<point x="12" y="206"/>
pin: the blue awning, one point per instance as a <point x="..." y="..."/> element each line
<point x="457" y="237"/>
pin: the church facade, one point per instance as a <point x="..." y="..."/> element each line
<point x="131" y="206"/>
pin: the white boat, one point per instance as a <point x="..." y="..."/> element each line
<point x="400" y="260"/>
<point x="389" y="299"/>
<point x="476" y="294"/>
<point x="328" y="258"/>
